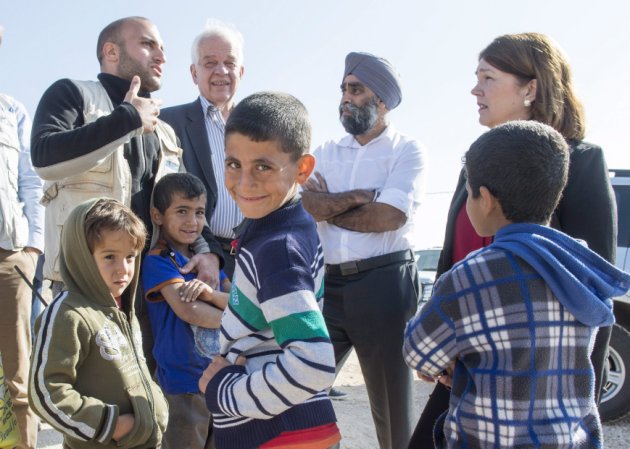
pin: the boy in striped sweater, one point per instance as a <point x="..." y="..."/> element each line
<point x="268" y="389"/>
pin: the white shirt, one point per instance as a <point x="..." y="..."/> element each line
<point x="226" y="214"/>
<point x="21" y="213"/>
<point x="394" y="165"/>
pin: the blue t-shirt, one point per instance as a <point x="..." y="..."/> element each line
<point x="181" y="353"/>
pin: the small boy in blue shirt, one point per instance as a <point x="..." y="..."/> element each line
<point x="518" y="318"/>
<point x="185" y="313"/>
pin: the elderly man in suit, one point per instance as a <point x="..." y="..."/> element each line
<point x="217" y="69"/>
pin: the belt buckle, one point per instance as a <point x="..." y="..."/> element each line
<point x="348" y="268"/>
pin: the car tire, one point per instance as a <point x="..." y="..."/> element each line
<point x="615" y="402"/>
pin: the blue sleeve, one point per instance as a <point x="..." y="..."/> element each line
<point x="157" y="272"/>
<point x="222" y="277"/>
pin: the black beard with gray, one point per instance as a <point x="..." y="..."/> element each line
<point x="362" y="119"/>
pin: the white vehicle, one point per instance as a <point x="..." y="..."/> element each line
<point x="615" y="401"/>
<point x="427" y="262"/>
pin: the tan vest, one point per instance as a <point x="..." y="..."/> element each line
<point x="107" y="177"/>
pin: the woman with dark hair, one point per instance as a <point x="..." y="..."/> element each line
<point x="527" y="77"/>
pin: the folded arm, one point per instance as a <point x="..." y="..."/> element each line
<point x="197" y="313"/>
<point x="62" y="144"/>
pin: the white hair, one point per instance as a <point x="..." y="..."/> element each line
<point x="227" y="31"/>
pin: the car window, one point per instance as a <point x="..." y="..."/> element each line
<point x="428" y="259"/>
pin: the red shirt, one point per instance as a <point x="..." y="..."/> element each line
<point x="465" y="238"/>
<point x="321" y="437"/>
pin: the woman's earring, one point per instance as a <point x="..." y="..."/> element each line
<point x="527" y="103"/>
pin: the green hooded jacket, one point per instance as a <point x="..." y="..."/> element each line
<point x="87" y="366"/>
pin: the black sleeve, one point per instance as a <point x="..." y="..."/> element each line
<point x="214" y="245"/>
<point x="59" y="133"/>
<point x="459" y="198"/>
<point x="587" y="209"/>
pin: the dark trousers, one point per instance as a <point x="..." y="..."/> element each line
<point x="368" y="311"/>
<point x="189" y="422"/>
<point x="438" y="402"/>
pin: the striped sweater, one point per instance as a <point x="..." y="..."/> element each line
<point x="274" y="319"/>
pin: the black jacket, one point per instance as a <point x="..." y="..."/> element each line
<point x="587" y="208"/>
<point x="60" y="134"/>
<point x="190" y="127"/>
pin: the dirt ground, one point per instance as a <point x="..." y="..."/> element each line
<point x="353" y="413"/>
<point x="355" y="419"/>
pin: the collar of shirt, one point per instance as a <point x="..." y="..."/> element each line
<point x="211" y="111"/>
<point x="117" y="87"/>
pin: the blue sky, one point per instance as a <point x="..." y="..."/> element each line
<point x="299" y="47"/>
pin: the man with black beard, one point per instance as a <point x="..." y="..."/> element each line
<point x="104" y="138"/>
<point x="365" y="193"/>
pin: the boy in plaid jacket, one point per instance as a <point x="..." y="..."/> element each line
<point x="511" y="327"/>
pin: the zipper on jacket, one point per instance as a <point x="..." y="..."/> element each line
<point x="145" y="383"/>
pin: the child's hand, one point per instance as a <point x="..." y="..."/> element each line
<point x="217" y="364"/>
<point x="123" y="426"/>
<point x="207" y="267"/>
<point x="193" y="289"/>
<point x="424" y="378"/>
<point x="446" y="378"/>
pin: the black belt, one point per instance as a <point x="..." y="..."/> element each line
<point x="357" y="266"/>
<point x="226" y="245"/>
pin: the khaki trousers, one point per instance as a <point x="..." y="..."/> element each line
<point x="15" y="337"/>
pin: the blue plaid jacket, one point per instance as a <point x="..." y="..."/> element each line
<point x="522" y="377"/>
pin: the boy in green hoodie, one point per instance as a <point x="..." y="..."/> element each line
<point x="88" y="377"/>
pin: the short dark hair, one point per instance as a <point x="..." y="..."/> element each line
<point x="273" y="116"/>
<point x="186" y="184"/>
<point x="111" y="33"/>
<point x="524" y="164"/>
<point x="111" y="215"/>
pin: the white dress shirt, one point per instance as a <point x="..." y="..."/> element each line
<point x="392" y="164"/>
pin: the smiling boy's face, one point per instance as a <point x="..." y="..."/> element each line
<point x="182" y="222"/>
<point x="260" y="176"/>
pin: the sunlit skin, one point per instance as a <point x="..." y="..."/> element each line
<point x="485" y="212"/>
<point x="218" y="72"/>
<point x="115" y="257"/>
<point x="182" y="222"/>
<point x="500" y="97"/>
<point x="141" y="53"/>
<point x="260" y="176"/>
<point x="354" y="92"/>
